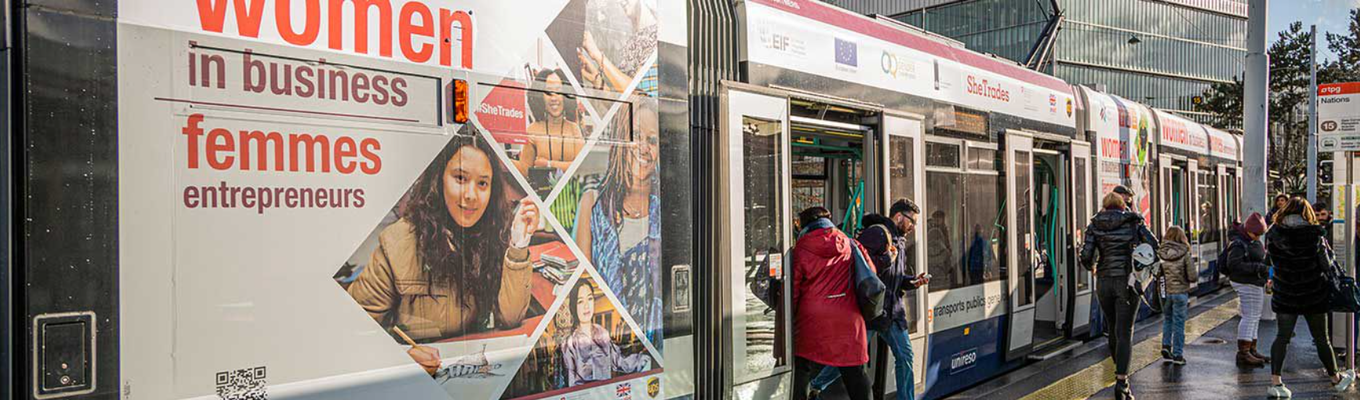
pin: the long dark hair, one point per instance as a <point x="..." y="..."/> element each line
<point x="468" y="259"/>
<point x="619" y="172"/>
<point x="538" y="102"/>
<point x="576" y="298"/>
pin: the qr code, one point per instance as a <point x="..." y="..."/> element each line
<point x="242" y="384"/>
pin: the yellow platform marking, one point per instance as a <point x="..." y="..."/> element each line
<point x="1093" y="379"/>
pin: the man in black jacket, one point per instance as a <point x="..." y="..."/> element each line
<point x="893" y="252"/>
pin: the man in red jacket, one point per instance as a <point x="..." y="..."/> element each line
<point x="828" y="329"/>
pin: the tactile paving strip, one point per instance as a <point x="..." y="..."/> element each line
<point x="1093" y="379"/>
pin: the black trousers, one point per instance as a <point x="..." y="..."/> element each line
<point x="1317" y="325"/>
<point x="1119" y="304"/>
<point x="856" y="382"/>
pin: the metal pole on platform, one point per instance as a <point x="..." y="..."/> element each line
<point x="1255" y="112"/>
<point x="1350" y="252"/>
<point x="1312" y="119"/>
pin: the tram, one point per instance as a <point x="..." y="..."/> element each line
<point x="481" y="200"/>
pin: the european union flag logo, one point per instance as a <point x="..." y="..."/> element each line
<point x="847" y="53"/>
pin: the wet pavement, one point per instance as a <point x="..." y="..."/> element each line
<point x="1211" y="371"/>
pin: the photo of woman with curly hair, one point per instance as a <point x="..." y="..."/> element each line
<point x="457" y="260"/>
<point x="618" y="222"/>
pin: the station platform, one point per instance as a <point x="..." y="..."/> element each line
<point x="1211" y="372"/>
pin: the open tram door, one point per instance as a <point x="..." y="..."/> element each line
<point x="1019" y="244"/>
<point x="904" y="159"/>
<point x="754" y="235"/>
<point x="1082" y="210"/>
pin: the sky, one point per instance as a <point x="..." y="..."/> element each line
<point x="1328" y="15"/>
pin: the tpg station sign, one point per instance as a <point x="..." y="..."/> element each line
<point x="1339" y="117"/>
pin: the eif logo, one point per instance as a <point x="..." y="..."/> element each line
<point x="847" y="53"/>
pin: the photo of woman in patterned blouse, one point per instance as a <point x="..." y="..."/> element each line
<point x="589" y="353"/>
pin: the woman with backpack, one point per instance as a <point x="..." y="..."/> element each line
<point x="1107" y="247"/>
<point x="1302" y="261"/>
<point x="1180" y="278"/>
<point x="828" y="328"/>
<point x="1244" y="262"/>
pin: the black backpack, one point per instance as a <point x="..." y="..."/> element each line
<point x="1222" y="260"/>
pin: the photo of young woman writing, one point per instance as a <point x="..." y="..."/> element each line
<point x="457" y="260"/>
<point x="618" y="221"/>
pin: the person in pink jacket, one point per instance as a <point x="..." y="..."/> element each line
<point x="828" y="330"/>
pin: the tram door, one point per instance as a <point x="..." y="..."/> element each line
<point x="1020" y="244"/>
<point x="905" y="159"/>
<point x="755" y="233"/>
<point x="1081" y="209"/>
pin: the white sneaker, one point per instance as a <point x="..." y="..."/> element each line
<point x="1278" y="392"/>
<point x="1347" y="378"/>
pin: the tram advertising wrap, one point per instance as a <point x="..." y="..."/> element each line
<point x="1124" y="142"/>
<point x="303" y="214"/>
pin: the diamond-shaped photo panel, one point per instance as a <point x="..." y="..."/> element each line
<point x="463" y="269"/>
<point x="588" y="344"/>
<point x="611" y="208"/>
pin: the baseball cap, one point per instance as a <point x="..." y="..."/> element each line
<point x="1121" y="189"/>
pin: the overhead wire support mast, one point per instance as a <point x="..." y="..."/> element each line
<point x="1043" y="48"/>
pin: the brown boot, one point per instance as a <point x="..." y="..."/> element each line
<point x="1244" y="357"/>
<point x="1256" y="354"/>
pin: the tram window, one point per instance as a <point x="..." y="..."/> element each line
<point x="901" y="159"/>
<point x="809" y="182"/>
<point x="964" y="228"/>
<point x="944" y="236"/>
<point x="765" y="227"/>
<point x="1208" y="225"/>
<point x="902" y="183"/>
<point x="1023" y="230"/>
<point x="942" y="155"/>
<point x="981" y="159"/>
<point x="1082" y="204"/>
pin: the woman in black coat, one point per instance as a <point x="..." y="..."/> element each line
<point x="1295" y="246"/>
<point x="1107" y="247"/>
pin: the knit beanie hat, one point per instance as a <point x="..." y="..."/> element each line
<point x="1256" y="224"/>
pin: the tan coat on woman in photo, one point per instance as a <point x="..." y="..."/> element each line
<point x="395" y="290"/>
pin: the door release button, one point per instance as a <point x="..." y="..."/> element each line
<point x="63" y="354"/>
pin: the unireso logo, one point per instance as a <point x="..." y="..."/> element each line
<point x="963" y="360"/>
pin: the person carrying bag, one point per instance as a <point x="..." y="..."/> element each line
<point x="1307" y="286"/>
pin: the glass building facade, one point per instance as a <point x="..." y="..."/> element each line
<point x="1179" y="52"/>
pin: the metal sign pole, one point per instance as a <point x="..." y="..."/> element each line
<point x="1350" y="252"/>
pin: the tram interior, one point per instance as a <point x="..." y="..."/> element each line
<point x="1052" y="263"/>
<point x="828" y="163"/>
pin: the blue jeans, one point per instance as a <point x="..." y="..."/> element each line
<point x="900" y="345"/>
<point x="1173" y="322"/>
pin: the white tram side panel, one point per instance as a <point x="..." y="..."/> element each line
<point x="308" y="219"/>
